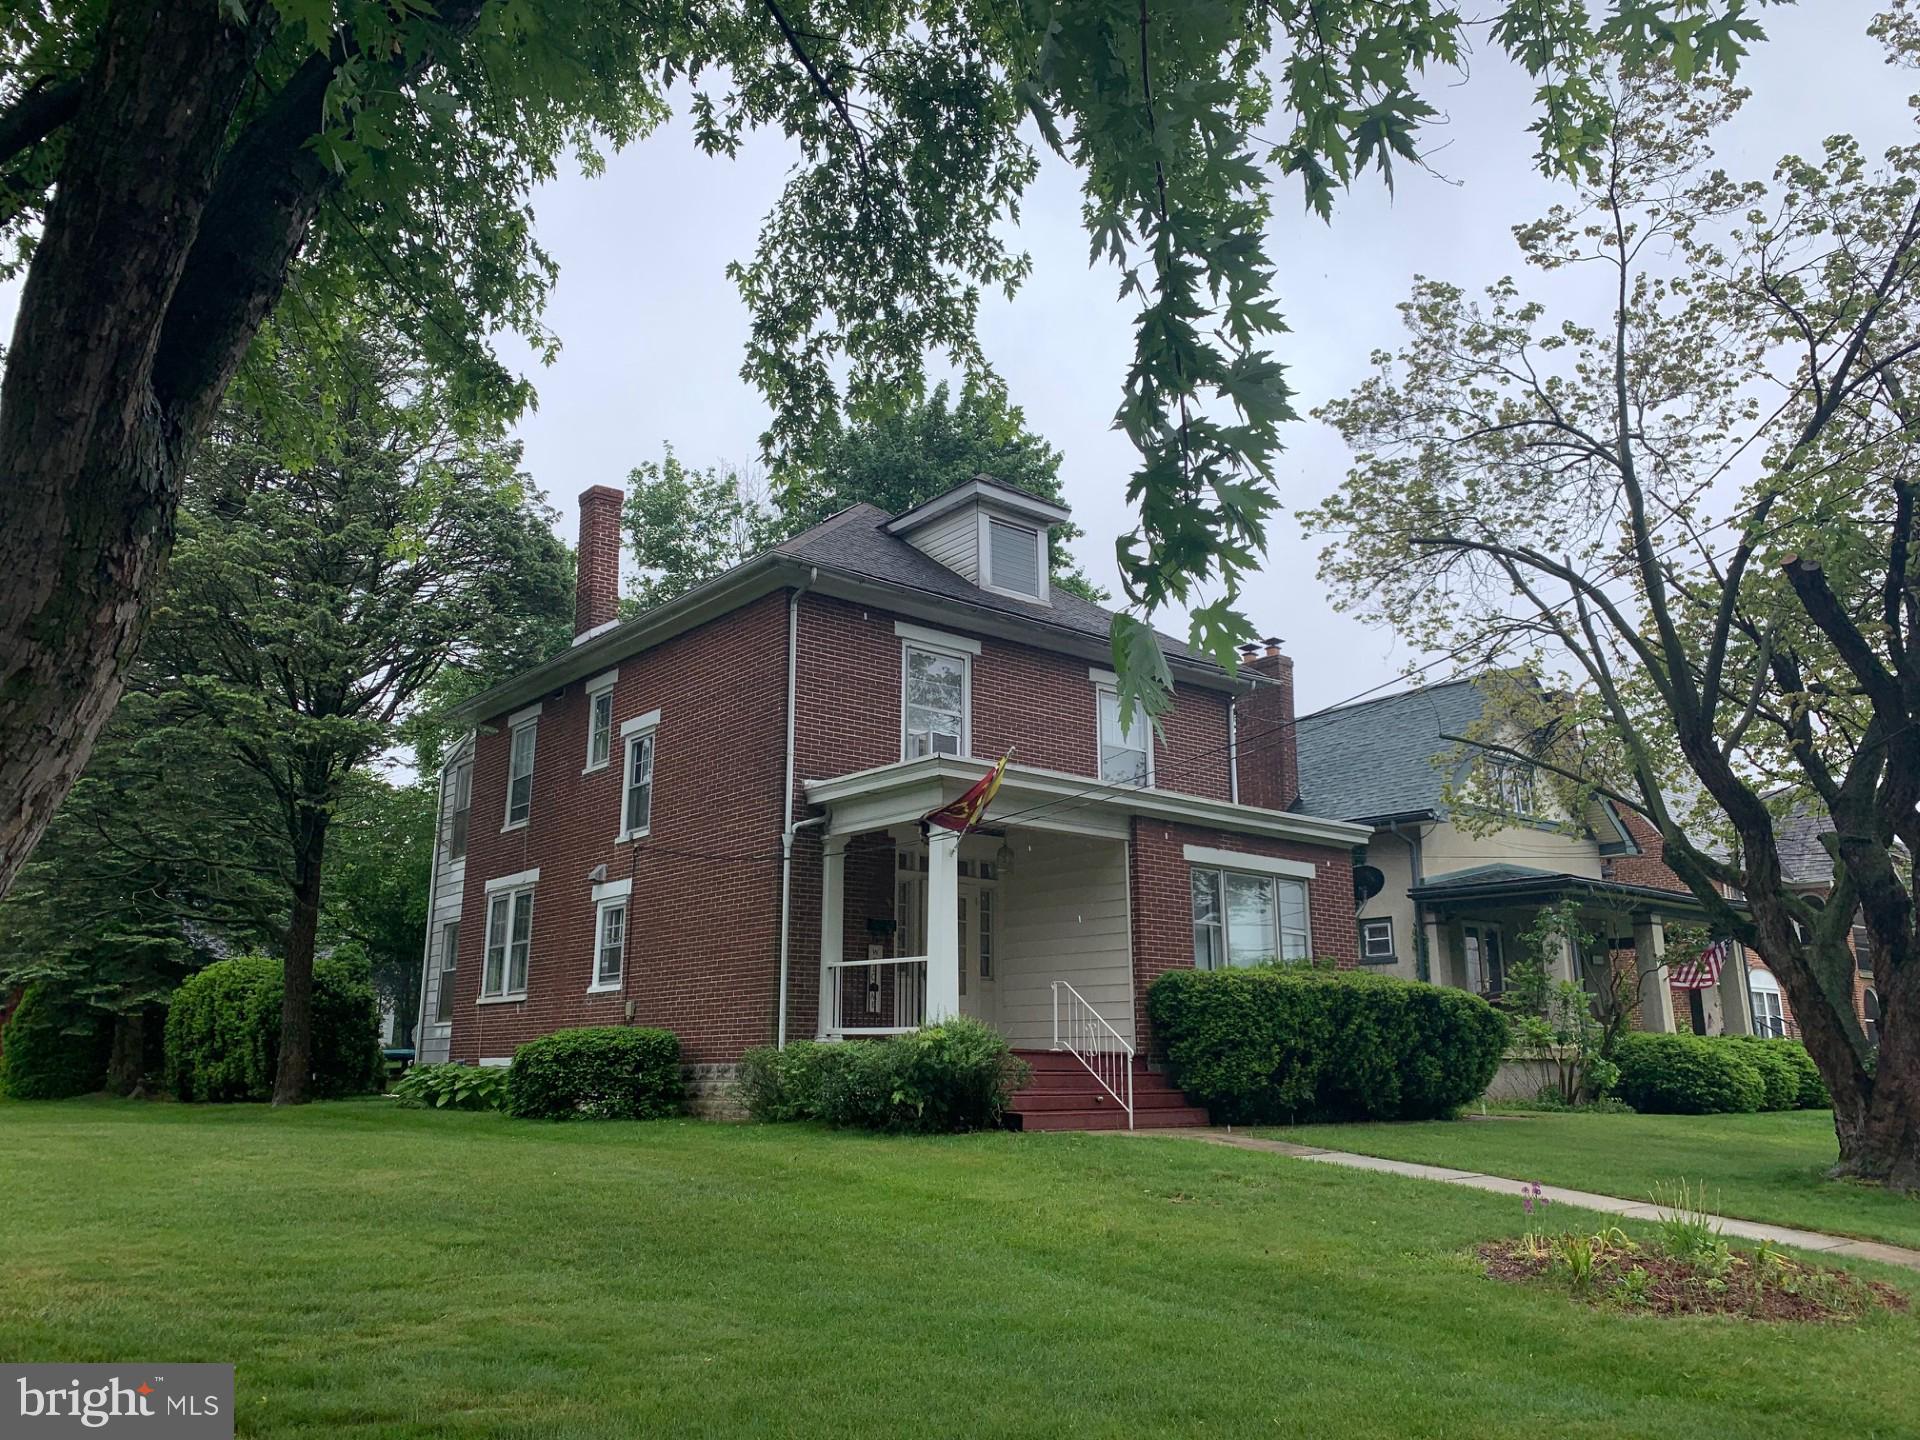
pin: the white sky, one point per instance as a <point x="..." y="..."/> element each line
<point x="653" y="333"/>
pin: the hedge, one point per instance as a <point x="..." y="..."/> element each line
<point x="223" y="1031"/>
<point x="596" y="1072"/>
<point x="1802" y="1089"/>
<point x="1275" y="1044"/>
<point x="1688" y="1075"/>
<point x="53" y="1048"/>
<point x="955" y="1076"/>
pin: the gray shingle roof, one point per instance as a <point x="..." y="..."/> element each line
<point x="1803" y="859"/>
<point x="1375" y="758"/>
<point x="856" y="542"/>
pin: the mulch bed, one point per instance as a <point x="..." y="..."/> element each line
<point x="1782" y="1290"/>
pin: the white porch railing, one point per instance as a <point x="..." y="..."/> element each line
<point x="877" y="997"/>
<point x="1083" y="1032"/>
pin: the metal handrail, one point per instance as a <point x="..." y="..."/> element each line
<point x="1088" y="1037"/>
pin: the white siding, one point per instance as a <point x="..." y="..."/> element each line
<point x="953" y="540"/>
<point x="432" y="1043"/>
<point x="1064" y="917"/>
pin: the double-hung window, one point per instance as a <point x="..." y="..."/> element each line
<point x="443" y="983"/>
<point x="520" y="767"/>
<point x="460" y="808"/>
<point x="935" y="687"/>
<point x="1509" y="786"/>
<point x="1126" y="749"/>
<point x="1016" y="559"/>
<point x="609" y="935"/>
<point x="600" y="721"/>
<point x="1376" y="941"/>
<point x="1247" y="919"/>
<point x="636" y="791"/>
<point x="509" y="937"/>
<point x="1769" y="1013"/>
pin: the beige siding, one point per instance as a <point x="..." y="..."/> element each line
<point x="1064" y="917"/>
<point x="953" y="540"/>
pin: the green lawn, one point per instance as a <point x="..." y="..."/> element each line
<point x="1756" y="1167"/>
<point x="376" y="1272"/>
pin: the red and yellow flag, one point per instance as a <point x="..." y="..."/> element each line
<point x="963" y="814"/>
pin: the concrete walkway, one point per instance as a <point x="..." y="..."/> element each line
<point x="1836" y="1245"/>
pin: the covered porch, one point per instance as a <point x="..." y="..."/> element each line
<point x="1473" y="921"/>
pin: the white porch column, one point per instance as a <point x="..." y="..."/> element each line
<point x="1650" y="961"/>
<point x="943" y="924"/>
<point x="1736" y="1006"/>
<point x="833" y="919"/>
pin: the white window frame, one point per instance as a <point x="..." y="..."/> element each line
<point x="599" y="692"/>
<point x="633" y="732"/>
<point x="527" y="720"/>
<point x="930" y="642"/>
<point x="459" y="833"/>
<point x="1106" y="683"/>
<point x="1260" y="868"/>
<point x="448" y="967"/>
<point x="1764" y="984"/>
<point x="1503" y="779"/>
<point x="1369" y="956"/>
<point x="607" y="898"/>
<point x="985" y="542"/>
<point x="515" y="890"/>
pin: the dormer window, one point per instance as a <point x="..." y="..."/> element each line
<point x="1014" y="559"/>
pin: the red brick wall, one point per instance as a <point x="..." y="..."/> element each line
<point x="596" y="594"/>
<point x="1648" y="867"/>
<point x="1162" y="900"/>
<point x="703" y="919"/>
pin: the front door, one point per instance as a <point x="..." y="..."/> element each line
<point x="976" y="950"/>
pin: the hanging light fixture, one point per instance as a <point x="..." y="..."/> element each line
<point x="1003" y="858"/>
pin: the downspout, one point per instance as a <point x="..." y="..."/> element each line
<point x="1423" y="963"/>
<point x="787" y="827"/>
<point x="1233" y="749"/>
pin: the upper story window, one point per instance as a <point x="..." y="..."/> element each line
<point x="636" y="791"/>
<point x="1126" y="751"/>
<point x="1509" y="785"/>
<point x="509" y="937"/>
<point x="520" y="767"/>
<point x="1862" y="947"/>
<point x="600" y="721"/>
<point x="1015" y="558"/>
<point x="1870" y="1016"/>
<point x="936" y="684"/>
<point x="460" y="808"/>
<point x="1243" y="919"/>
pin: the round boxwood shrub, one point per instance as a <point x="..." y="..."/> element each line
<point x="1276" y="1043"/>
<point x="1793" y="1080"/>
<point x="223" y="1031"/>
<point x="596" y="1072"/>
<point x="53" y="1048"/>
<point x="1687" y="1075"/>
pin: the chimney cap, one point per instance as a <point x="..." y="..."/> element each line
<point x="603" y="492"/>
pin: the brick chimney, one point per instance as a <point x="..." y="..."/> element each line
<point x="596" y="595"/>
<point x="1269" y="755"/>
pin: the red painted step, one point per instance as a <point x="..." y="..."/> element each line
<point x="1064" y="1095"/>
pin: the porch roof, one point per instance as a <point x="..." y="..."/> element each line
<point x="902" y="792"/>
<point x="1523" y="885"/>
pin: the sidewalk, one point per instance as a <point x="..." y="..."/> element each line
<point x="1837" y="1245"/>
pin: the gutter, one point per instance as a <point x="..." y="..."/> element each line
<point x="787" y="826"/>
<point x="1423" y="963"/>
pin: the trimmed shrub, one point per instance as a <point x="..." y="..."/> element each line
<point x="1801" y="1088"/>
<point x="53" y="1048"/>
<point x="1688" y="1075"/>
<point x="946" y="1078"/>
<point x="596" y="1072"/>
<point x="453" y="1087"/>
<point x="223" y="1031"/>
<point x="1274" y="1044"/>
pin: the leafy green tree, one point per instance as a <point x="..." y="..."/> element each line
<point x="166" y="164"/>
<point x="1691" y="511"/>
<point x="377" y="879"/>
<point x="311" y="606"/>
<point x="685" y="526"/>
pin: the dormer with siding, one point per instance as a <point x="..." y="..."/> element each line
<point x="990" y="534"/>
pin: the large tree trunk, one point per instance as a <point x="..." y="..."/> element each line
<point x="127" y="1060"/>
<point x="1883" y="1143"/>
<point x="292" y="1079"/>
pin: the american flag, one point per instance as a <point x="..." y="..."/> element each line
<point x="1703" y="971"/>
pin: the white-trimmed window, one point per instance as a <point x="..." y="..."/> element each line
<point x="443" y="982"/>
<point x="520" y="768"/>
<point x="1376" y="941"/>
<point x="509" y="937"/>
<point x="1126" y="751"/>
<point x="609" y="935"/>
<point x="935" y="691"/>
<point x="1248" y="919"/>
<point x="600" y="721"/>
<point x="1016" y="558"/>
<point x="1509" y="785"/>
<point x="460" y="798"/>
<point x="636" y="789"/>
<point x="1769" y="1011"/>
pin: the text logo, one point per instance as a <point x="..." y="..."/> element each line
<point x="139" y="1402"/>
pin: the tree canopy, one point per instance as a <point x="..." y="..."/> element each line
<point x="1688" y="511"/>
<point x="166" y="166"/>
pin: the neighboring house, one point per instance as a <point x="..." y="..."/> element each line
<point x="1450" y="906"/>
<point x="1808" y="869"/>
<point x="707" y="817"/>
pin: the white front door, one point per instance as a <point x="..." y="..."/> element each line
<point x="976" y="920"/>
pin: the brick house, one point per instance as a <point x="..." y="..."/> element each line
<point x="707" y="817"/>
